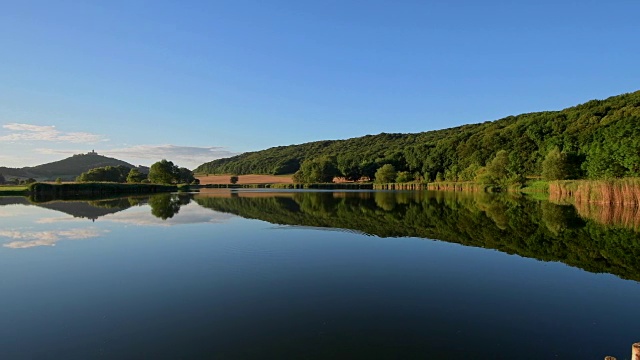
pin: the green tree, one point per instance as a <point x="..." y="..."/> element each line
<point x="469" y="173"/>
<point x="233" y="179"/>
<point x="164" y="172"/>
<point x="498" y="167"/>
<point x="59" y="180"/>
<point x="2" y="180"/>
<point x="135" y="176"/>
<point x="555" y="165"/>
<point x="106" y="173"/>
<point x="321" y="170"/>
<point x="385" y="174"/>
<point x="452" y="174"/>
<point x="404" y="176"/>
<point x="185" y="176"/>
<point x="164" y="206"/>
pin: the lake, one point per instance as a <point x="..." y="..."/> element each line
<point x="253" y="274"/>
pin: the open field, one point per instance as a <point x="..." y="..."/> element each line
<point x="246" y="179"/>
<point x="228" y="193"/>
<point x="12" y="189"/>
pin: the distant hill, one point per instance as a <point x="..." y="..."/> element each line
<point x="67" y="169"/>
<point x="600" y="137"/>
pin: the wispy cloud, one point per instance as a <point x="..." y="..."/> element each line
<point x="175" y="153"/>
<point x="29" y="132"/>
<point x="27" y="239"/>
<point x="187" y="156"/>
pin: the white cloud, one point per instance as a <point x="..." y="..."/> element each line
<point x="29" y="132"/>
<point x="27" y="239"/>
<point x="186" y="156"/>
<point x="29" y="127"/>
<point x="175" y="153"/>
<point x="188" y="214"/>
<point x="14" y="210"/>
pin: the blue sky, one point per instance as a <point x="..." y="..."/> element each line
<point x="191" y="81"/>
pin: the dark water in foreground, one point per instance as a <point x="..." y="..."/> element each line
<point x="314" y="275"/>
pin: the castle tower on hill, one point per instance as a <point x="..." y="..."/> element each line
<point x="92" y="152"/>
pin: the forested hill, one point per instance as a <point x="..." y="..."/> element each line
<point x="68" y="168"/>
<point x="598" y="138"/>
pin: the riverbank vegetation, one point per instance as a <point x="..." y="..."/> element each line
<point x="161" y="172"/>
<point x="610" y="191"/>
<point x="595" y="140"/>
<point x="12" y="190"/>
<point x="45" y="191"/>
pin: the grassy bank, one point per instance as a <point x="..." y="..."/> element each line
<point x="43" y="191"/>
<point x="13" y="190"/>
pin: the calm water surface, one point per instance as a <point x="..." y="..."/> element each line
<point x="314" y="275"/>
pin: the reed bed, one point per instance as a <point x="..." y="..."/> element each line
<point x="400" y="186"/>
<point x="616" y="215"/>
<point x="458" y="186"/>
<point x="611" y="191"/>
<point x="612" y="202"/>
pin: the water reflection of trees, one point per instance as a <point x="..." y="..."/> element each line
<point x="540" y="230"/>
<point x="165" y="206"/>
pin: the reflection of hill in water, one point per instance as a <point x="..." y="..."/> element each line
<point x="539" y="230"/>
<point x="86" y="209"/>
<point x="13" y="200"/>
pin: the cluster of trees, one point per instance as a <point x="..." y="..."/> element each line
<point x="161" y="172"/>
<point x="598" y="139"/>
<point x="165" y="172"/>
<point x="117" y="174"/>
<point x="16" y="181"/>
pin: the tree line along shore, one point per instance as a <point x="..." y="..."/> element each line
<point x="597" y="140"/>
<point x="590" y="152"/>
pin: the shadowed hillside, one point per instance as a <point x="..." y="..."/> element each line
<point x="67" y="169"/>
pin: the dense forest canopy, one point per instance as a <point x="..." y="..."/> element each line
<point x="600" y="138"/>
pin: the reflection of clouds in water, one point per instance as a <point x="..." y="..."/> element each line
<point x="51" y="220"/>
<point x="188" y="214"/>
<point x="27" y="239"/>
<point x="14" y="210"/>
<point x="141" y="216"/>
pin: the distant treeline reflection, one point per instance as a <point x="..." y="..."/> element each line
<point x="540" y="230"/>
<point x="594" y="238"/>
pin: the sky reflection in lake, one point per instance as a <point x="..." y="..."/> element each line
<point x="246" y="277"/>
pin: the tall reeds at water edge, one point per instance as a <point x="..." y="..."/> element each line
<point x="614" y="202"/>
<point x="457" y="186"/>
<point x="617" y="215"/>
<point x="614" y="191"/>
